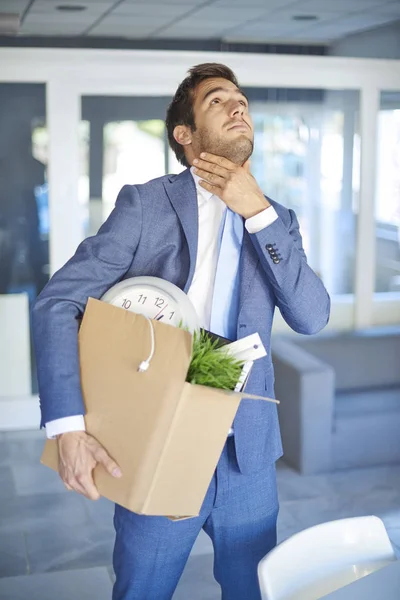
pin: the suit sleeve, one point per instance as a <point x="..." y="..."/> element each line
<point x="99" y="262"/>
<point x="300" y="293"/>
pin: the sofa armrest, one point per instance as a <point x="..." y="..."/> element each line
<point x="305" y="387"/>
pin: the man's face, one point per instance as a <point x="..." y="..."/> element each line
<point x="223" y="123"/>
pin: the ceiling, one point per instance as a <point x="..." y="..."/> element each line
<point x="229" y="20"/>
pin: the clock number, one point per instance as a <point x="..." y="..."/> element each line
<point x="159" y="302"/>
<point x="126" y="303"/>
<point x="171" y="315"/>
<point x="142" y="299"/>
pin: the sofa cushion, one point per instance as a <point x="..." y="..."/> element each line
<point x="361" y="402"/>
<point x="361" y="359"/>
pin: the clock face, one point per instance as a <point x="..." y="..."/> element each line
<point x="154" y="298"/>
<point x="149" y="302"/>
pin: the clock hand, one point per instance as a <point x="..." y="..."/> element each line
<point x="159" y="318"/>
<point x="156" y="317"/>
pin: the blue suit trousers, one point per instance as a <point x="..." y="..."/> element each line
<point x="239" y="514"/>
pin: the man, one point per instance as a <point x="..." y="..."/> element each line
<point x="238" y="255"/>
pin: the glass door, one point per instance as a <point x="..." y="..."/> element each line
<point x="306" y="156"/>
<point x="24" y="231"/>
<point x="123" y="140"/>
<point x="387" y="196"/>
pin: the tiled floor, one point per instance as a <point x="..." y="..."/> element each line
<point x="47" y="532"/>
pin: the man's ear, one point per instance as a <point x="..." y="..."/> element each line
<point x="183" y="135"/>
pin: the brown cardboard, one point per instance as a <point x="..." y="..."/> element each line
<point x="165" y="434"/>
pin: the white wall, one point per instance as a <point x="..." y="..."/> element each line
<point x="15" y="353"/>
<point x="383" y="42"/>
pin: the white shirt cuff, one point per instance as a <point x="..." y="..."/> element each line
<point x="262" y="220"/>
<point x="58" y="426"/>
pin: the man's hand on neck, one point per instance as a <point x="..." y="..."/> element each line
<point x="234" y="184"/>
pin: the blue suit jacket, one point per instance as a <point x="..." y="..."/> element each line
<point x="153" y="231"/>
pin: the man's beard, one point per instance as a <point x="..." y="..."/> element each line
<point x="237" y="150"/>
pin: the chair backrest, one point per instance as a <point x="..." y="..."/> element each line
<point x="324" y="558"/>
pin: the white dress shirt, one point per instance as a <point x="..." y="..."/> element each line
<point x="211" y="211"/>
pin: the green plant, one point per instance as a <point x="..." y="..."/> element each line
<point x="211" y="366"/>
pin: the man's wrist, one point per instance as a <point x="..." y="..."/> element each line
<point x="64" y="424"/>
<point x="70" y="433"/>
<point x="254" y="208"/>
<point x="262" y="220"/>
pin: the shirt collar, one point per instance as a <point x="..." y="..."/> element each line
<point x="200" y="190"/>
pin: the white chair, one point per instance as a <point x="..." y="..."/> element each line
<point x="324" y="558"/>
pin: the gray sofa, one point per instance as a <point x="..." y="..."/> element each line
<point x="340" y="399"/>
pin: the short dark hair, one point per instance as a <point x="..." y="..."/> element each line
<point x="180" y="111"/>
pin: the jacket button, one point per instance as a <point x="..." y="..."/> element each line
<point x="269" y="247"/>
<point x="276" y="260"/>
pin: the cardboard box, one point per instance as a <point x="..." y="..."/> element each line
<point x="165" y="434"/>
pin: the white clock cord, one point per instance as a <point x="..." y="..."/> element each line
<point x="144" y="365"/>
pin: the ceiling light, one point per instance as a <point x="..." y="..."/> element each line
<point x="71" y="8"/>
<point x="305" y="18"/>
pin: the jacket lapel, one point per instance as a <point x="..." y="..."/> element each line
<point x="181" y="191"/>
